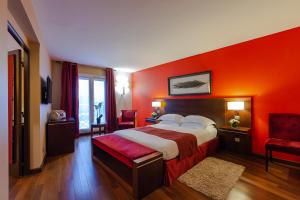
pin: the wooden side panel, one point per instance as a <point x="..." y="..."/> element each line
<point x="145" y="176"/>
<point x="60" y="138"/>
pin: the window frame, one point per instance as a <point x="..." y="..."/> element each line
<point x="91" y="79"/>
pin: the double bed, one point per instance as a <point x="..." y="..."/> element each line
<point x="148" y="157"/>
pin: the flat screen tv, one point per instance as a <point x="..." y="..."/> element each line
<point x="46" y="90"/>
<point x="43" y="91"/>
<point x="49" y="90"/>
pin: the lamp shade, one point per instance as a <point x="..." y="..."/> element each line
<point x="156" y="104"/>
<point x="235" y="105"/>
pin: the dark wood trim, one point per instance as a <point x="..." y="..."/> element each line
<point x="12" y="31"/>
<point x="16" y="168"/>
<point x="213" y="108"/>
<point x="144" y="177"/>
<point x="26" y="136"/>
<point x="186" y="75"/>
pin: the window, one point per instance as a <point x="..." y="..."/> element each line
<point x="99" y="97"/>
<point x="84" y="104"/>
<point x="91" y="93"/>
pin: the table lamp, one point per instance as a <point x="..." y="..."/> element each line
<point x="235" y="106"/>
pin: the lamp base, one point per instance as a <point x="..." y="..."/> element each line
<point x="234" y="123"/>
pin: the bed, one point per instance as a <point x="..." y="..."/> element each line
<point x="145" y="160"/>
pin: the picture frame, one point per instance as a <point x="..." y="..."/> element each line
<point x="190" y="84"/>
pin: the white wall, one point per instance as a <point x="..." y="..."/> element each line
<point x="124" y="102"/>
<point x="45" y="70"/>
<point x="3" y="102"/>
<point x="38" y="132"/>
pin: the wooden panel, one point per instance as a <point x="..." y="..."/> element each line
<point x="246" y="114"/>
<point x="60" y="137"/>
<point x="213" y="108"/>
<point x="16" y="116"/>
<point x="144" y="177"/>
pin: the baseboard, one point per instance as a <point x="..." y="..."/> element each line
<point x="39" y="169"/>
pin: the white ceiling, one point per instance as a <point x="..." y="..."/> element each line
<point x="137" y="34"/>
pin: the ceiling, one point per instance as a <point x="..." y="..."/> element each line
<point x="136" y="34"/>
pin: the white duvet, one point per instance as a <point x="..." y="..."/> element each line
<point x="169" y="148"/>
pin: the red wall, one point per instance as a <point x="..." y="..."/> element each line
<point x="266" y="68"/>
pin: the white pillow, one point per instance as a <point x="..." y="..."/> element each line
<point x="192" y="125"/>
<point x="197" y="119"/>
<point x="171" y="117"/>
<point x="169" y="123"/>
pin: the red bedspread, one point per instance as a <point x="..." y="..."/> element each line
<point x="122" y="149"/>
<point x="175" y="167"/>
<point x="187" y="143"/>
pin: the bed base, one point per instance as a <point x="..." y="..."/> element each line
<point x="144" y="177"/>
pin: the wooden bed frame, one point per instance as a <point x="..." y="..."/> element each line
<point x="144" y="177"/>
<point x="147" y="173"/>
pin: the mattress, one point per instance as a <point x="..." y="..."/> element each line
<point x="168" y="148"/>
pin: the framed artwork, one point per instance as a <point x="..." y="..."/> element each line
<point x="190" y="84"/>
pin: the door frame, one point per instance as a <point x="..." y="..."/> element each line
<point x="25" y="140"/>
<point x="15" y="168"/>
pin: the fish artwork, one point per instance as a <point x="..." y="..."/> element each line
<point x="189" y="84"/>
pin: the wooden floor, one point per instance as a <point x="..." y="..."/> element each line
<point x="76" y="176"/>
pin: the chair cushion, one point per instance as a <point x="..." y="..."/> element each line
<point x="282" y="145"/>
<point x="128" y="115"/>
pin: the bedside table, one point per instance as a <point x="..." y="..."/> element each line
<point x="235" y="139"/>
<point x="151" y="120"/>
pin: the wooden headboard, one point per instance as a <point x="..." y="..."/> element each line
<point x="213" y="108"/>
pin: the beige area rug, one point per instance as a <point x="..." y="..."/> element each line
<point x="213" y="177"/>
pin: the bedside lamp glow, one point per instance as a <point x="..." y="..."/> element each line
<point x="235" y="105"/>
<point x="156" y="107"/>
<point x="156" y="104"/>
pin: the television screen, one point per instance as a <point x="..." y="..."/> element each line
<point x="43" y="91"/>
<point x="49" y="90"/>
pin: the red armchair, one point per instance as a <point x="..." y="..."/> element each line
<point x="127" y="119"/>
<point x="284" y="135"/>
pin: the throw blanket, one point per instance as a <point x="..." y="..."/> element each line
<point x="187" y="143"/>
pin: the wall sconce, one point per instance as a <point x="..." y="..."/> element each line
<point x="235" y="106"/>
<point x="156" y="105"/>
<point x="122" y="84"/>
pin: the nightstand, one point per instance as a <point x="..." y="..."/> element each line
<point x="235" y="139"/>
<point x="151" y="120"/>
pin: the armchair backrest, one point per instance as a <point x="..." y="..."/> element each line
<point x="128" y="115"/>
<point x="284" y="126"/>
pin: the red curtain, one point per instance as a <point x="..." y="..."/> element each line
<point x="69" y="92"/>
<point x="110" y="101"/>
